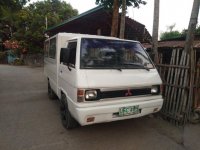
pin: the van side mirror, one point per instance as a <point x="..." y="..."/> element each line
<point x="64" y="55"/>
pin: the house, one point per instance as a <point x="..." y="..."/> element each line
<point x="97" y="21"/>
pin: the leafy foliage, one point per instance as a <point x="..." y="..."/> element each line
<point x="115" y="5"/>
<point x="8" y="9"/>
<point x="29" y="23"/>
<point x="13" y="4"/>
<point x="170" y="35"/>
<point x="197" y="31"/>
<point x="109" y="3"/>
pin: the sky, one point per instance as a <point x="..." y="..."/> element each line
<point x="171" y="12"/>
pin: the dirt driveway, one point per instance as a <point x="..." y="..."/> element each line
<point x="30" y="121"/>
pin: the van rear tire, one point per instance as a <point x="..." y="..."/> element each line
<point x="51" y="93"/>
<point x="67" y="119"/>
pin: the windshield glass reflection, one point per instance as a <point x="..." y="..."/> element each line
<point x="110" y="54"/>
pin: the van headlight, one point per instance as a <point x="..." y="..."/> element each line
<point x="155" y="89"/>
<point x="91" y="95"/>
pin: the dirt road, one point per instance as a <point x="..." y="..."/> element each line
<point x="30" y="121"/>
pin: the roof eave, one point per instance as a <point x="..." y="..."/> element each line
<point x="75" y="17"/>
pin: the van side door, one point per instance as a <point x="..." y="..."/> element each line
<point x="67" y="70"/>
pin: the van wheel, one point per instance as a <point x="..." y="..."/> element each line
<point x="51" y="93"/>
<point x="67" y="120"/>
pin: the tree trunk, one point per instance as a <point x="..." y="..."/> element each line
<point x="189" y="49"/>
<point x="122" y="24"/>
<point x="114" y="29"/>
<point x="192" y="25"/>
<point x="155" y="30"/>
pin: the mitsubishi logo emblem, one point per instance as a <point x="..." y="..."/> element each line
<point x="128" y="93"/>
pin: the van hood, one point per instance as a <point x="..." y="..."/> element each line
<point x="123" y="78"/>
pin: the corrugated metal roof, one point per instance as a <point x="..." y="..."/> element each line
<point x="172" y="44"/>
<point x="76" y="17"/>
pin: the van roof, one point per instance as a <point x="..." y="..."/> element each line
<point x="77" y="35"/>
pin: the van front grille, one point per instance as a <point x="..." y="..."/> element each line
<point x="125" y="93"/>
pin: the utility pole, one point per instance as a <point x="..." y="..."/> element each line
<point x="155" y="30"/>
<point x="192" y="26"/>
<point x="190" y="51"/>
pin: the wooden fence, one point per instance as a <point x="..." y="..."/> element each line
<point x="174" y="69"/>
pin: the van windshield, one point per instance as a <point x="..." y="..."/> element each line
<point x="113" y="54"/>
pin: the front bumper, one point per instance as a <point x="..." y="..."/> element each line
<point x="107" y="113"/>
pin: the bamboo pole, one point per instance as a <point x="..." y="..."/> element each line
<point x="166" y="101"/>
<point x="180" y="81"/>
<point x="171" y="82"/>
<point x="184" y="93"/>
<point x="170" y="100"/>
<point x="174" y="90"/>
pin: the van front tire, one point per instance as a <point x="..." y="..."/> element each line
<point x="67" y="120"/>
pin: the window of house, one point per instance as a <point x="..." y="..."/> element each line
<point x="52" y="48"/>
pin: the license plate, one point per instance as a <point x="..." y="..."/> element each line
<point x="131" y="110"/>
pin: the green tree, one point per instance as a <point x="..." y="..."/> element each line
<point x="13" y="4"/>
<point x="196" y="32"/>
<point x="123" y="5"/>
<point x="170" y="33"/>
<point x="115" y="5"/>
<point x="8" y="11"/>
<point x="31" y="22"/>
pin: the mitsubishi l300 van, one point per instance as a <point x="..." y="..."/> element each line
<point x="100" y="79"/>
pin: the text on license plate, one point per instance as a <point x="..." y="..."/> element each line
<point x="130" y="110"/>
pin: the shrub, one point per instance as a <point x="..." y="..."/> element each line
<point x="2" y="57"/>
<point x="18" y="62"/>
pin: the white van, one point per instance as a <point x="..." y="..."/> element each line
<point x="100" y="79"/>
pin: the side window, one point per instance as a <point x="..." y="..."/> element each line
<point x="52" y="48"/>
<point x="72" y="53"/>
<point x="46" y="48"/>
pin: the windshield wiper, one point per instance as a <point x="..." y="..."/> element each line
<point x="110" y="67"/>
<point x="140" y="66"/>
